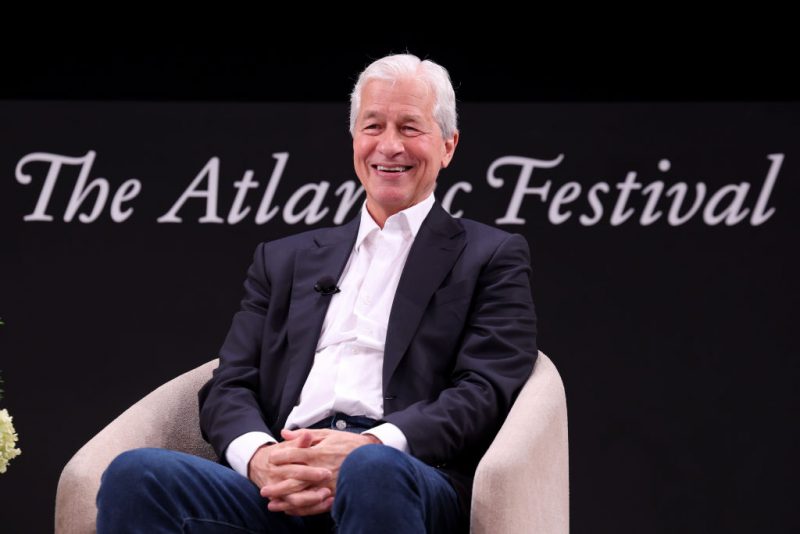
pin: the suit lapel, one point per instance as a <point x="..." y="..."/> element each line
<point x="327" y="257"/>
<point x="436" y="248"/>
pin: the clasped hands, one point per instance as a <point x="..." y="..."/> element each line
<point x="298" y="475"/>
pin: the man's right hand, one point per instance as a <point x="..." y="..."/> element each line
<point x="295" y="489"/>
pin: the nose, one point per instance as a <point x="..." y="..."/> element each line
<point x="390" y="143"/>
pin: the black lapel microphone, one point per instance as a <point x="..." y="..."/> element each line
<point x="326" y="286"/>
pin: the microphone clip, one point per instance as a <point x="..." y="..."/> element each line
<point x="326" y="286"/>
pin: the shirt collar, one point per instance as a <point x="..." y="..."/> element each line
<point x="412" y="217"/>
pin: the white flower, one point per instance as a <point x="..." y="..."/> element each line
<point x="8" y="438"/>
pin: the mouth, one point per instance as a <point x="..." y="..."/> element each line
<point x="391" y="170"/>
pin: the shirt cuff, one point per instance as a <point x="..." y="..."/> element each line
<point x="242" y="449"/>
<point x="390" y="435"/>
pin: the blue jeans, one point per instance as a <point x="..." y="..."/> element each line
<point x="379" y="489"/>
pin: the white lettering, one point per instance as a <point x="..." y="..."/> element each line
<point x="650" y="214"/>
<point x="349" y="193"/>
<point x="594" y="202"/>
<point x="211" y="171"/>
<point x="264" y="213"/>
<point x="567" y="193"/>
<point x="734" y="212"/>
<point x="619" y="215"/>
<point x="237" y="214"/>
<point x="127" y="191"/>
<point x="759" y="215"/>
<point x="447" y="201"/>
<point x="679" y="191"/>
<point x="81" y="191"/>
<point x="312" y="213"/>
<point x="521" y="189"/>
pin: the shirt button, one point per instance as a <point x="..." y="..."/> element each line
<point x="341" y="424"/>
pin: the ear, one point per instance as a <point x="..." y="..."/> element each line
<point x="449" y="150"/>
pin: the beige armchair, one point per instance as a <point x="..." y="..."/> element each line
<point x="521" y="485"/>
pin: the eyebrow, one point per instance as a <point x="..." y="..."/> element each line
<point x="403" y="118"/>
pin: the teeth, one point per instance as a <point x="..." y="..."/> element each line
<point x="382" y="168"/>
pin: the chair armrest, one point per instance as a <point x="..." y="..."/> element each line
<point x="522" y="482"/>
<point x="166" y="418"/>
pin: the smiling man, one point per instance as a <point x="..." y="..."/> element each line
<point x="370" y="365"/>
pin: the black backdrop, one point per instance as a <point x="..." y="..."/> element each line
<point x="674" y="341"/>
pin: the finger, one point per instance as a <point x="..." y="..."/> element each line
<point x="300" y="472"/>
<point x="284" y="487"/>
<point x="303" y="474"/>
<point x="295" y="479"/>
<point x="304" y="440"/>
<point x="292" y="456"/>
<point x="303" y="434"/>
<point x="289" y="435"/>
<point x="302" y="499"/>
<point x="320" y="508"/>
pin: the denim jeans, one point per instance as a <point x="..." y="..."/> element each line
<point x="379" y="489"/>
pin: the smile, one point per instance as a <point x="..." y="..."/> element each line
<point x="391" y="170"/>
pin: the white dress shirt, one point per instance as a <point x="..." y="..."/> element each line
<point x="347" y="374"/>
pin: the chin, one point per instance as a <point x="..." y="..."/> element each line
<point x="393" y="200"/>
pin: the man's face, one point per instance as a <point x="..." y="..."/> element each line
<point x="395" y="129"/>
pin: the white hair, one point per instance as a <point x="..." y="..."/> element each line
<point x="396" y="67"/>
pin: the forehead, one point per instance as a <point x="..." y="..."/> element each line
<point x="406" y="98"/>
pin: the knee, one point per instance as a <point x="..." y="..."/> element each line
<point x="371" y="459"/>
<point x="373" y="465"/>
<point x="125" y="467"/>
<point x="133" y="463"/>
<point x="372" y="480"/>
<point x="130" y="472"/>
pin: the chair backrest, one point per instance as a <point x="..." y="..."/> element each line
<point x="167" y="418"/>
<point x="522" y="482"/>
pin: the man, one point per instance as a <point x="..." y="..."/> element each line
<point x="370" y="365"/>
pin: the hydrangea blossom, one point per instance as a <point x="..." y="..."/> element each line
<point x="8" y="438"/>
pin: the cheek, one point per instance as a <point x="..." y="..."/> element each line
<point x="363" y="146"/>
<point x="431" y="153"/>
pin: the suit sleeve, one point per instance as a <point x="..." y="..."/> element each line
<point x="494" y="359"/>
<point x="229" y="404"/>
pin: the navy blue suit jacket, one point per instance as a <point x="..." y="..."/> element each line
<point x="461" y="339"/>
